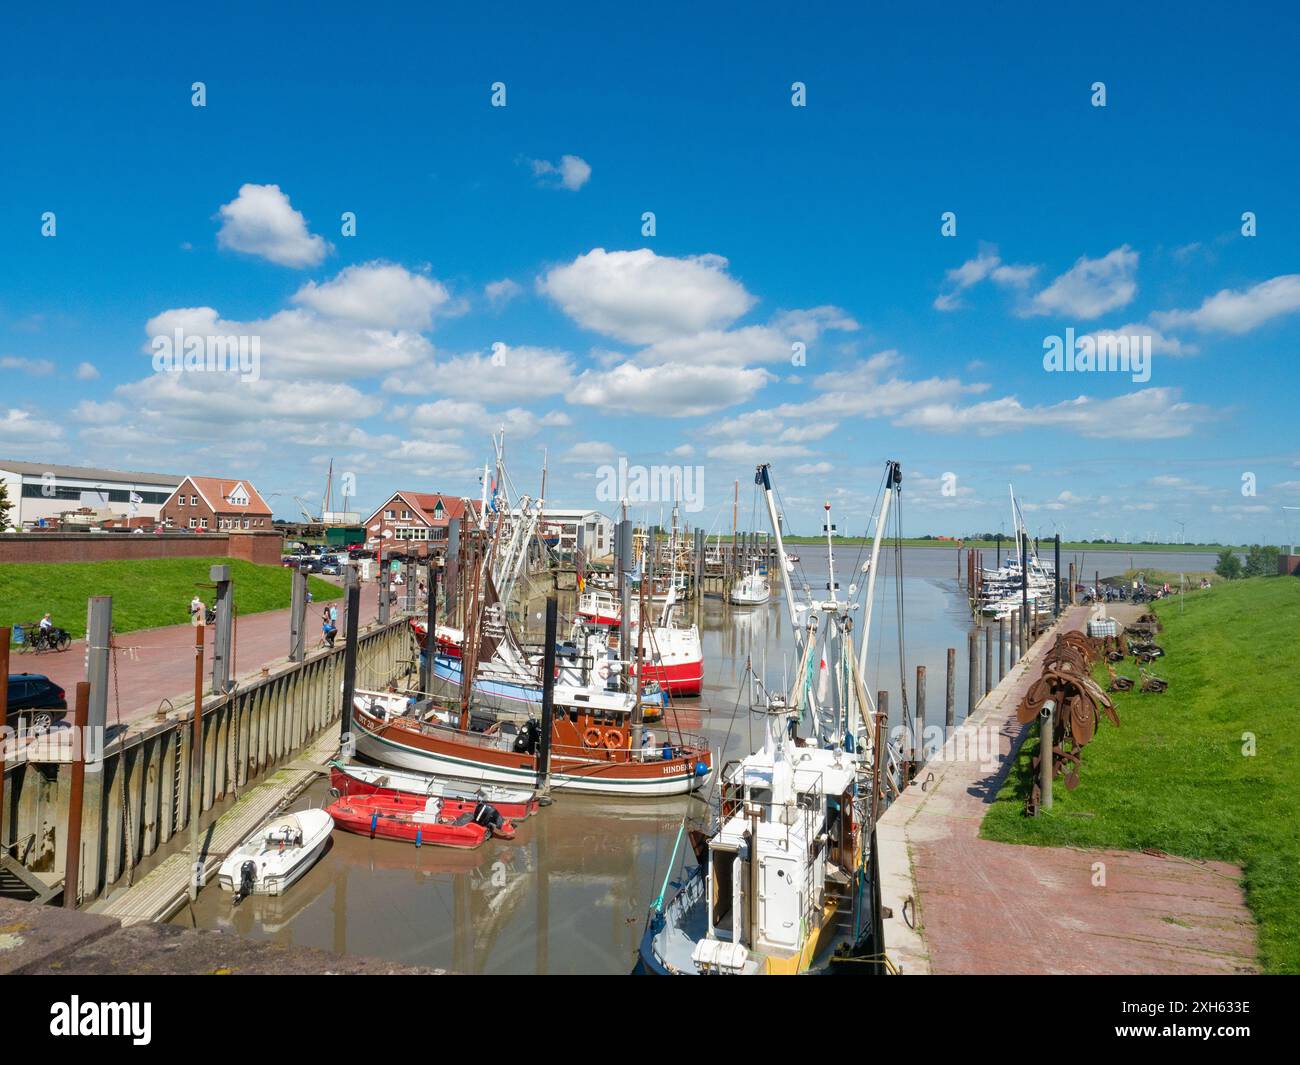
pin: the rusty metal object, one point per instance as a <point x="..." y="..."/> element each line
<point x="1066" y="679"/>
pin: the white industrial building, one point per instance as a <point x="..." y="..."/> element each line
<point x="598" y="530"/>
<point x="42" y="492"/>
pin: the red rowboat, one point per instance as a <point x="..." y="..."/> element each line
<point x="388" y="783"/>
<point x="415" y="819"/>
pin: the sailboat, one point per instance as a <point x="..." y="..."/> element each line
<point x="790" y="868"/>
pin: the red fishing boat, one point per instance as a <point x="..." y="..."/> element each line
<point x="386" y="782"/>
<point x="447" y="638"/>
<point x="415" y="819"/>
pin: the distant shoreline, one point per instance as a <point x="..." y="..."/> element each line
<point x="991" y="545"/>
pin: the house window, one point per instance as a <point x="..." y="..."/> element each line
<point x="194" y="523"/>
<point x="194" y="501"/>
<point x="245" y="523"/>
<point x="180" y="501"/>
<point x="406" y="515"/>
<point x="203" y="523"/>
<point x="390" y="514"/>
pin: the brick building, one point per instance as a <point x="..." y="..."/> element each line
<point x="416" y="522"/>
<point x="216" y="504"/>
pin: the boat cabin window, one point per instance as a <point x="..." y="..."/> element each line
<point x="762" y="796"/>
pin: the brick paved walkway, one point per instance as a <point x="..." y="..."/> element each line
<point x="987" y="907"/>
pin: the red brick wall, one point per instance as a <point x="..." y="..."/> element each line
<point x="260" y="547"/>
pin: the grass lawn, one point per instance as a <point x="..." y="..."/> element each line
<point x="1174" y="776"/>
<point x="147" y="593"/>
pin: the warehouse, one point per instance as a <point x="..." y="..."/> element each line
<point x="39" y="492"/>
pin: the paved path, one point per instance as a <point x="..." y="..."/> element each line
<point x="157" y="664"/>
<point x="987" y="907"/>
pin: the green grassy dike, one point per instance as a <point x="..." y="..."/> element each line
<point x="147" y="593"/>
<point x="1174" y="777"/>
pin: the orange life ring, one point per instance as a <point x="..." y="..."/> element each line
<point x="614" y="739"/>
<point x="591" y="737"/>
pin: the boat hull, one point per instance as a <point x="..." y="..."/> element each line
<point x="446" y="755"/>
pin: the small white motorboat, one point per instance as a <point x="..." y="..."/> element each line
<point x="277" y="855"/>
<point x="751" y="590"/>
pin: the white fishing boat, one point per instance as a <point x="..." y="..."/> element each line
<point x="277" y="855"/>
<point x="790" y="870"/>
<point x="751" y="589"/>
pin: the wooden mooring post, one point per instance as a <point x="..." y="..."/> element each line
<point x="950" y="694"/>
<point x="973" y="671"/>
<point x="918" y="727"/>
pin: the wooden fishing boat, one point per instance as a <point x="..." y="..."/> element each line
<point x="356" y="778"/>
<point x="277" y="855"/>
<point x="415" y="819"/>
<point x="592" y="748"/>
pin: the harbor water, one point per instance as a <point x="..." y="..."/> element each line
<point x="570" y="893"/>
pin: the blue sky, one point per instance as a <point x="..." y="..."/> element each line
<point x="775" y="225"/>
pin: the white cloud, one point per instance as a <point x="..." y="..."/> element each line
<point x="445" y="417"/>
<point x="1229" y="311"/>
<point x="572" y="171"/>
<point x="987" y="265"/>
<point x="590" y="452"/>
<point x="378" y="294"/>
<point x="644" y="298"/>
<point x="501" y="292"/>
<point x="87" y="372"/>
<point x="1090" y="287"/>
<point x="509" y="375"/>
<point x="32" y="367"/>
<point x="18" y="426"/>
<point x="1160" y="343"/>
<point x="1148" y="414"/>
<point x="92" y="412"/>
<point x="743" y="451"/>
<point x="670" y="390"/>
<point x="813" y="469"/>
<point x="297" y="343"/>
<point x="260" y="221"/>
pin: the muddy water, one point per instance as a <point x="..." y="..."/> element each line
<point x="570" y="892"/>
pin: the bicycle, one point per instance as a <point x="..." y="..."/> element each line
<point x="36" y="639"/>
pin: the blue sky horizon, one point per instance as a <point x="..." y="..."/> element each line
<point x="867" y="226"/>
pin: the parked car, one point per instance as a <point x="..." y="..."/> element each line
<point x="360" y="551"/>
<point x="330" y="564"/>
<point x="36" y="698"/>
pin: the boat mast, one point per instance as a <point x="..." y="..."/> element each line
<point x="762" y="479"/>
<point x="893" y="481"/>
<point x="830" y="551"/>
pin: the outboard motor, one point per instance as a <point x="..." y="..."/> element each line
<point x="526" y="742"/>
<point x="489" y="815"/>
<point x="247" y="882"/>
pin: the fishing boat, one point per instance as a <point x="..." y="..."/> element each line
<point x="752" y="588"/>
<point x="595" y="746"/>
<point x="500" y="689"/>
<point x="788" y="875"/>
<point x="277" y="855"/>
<point x="447" y="638"/>
<point x="674" y="658"/>
<point x="357" y="778"/>
<point x="419" y="820"/>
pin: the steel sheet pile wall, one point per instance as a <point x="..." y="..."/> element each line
<point x="259" y="727"/>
